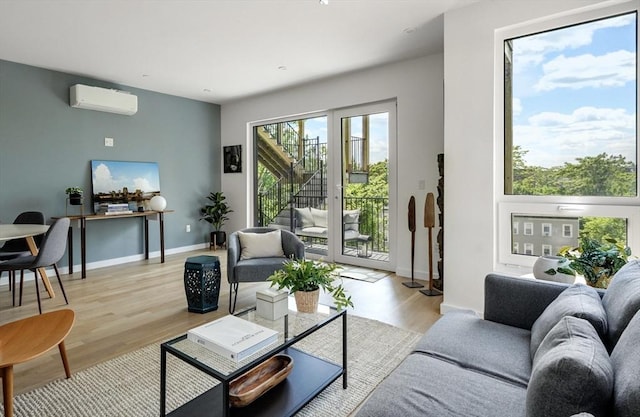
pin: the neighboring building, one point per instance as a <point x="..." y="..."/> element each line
<point x="542" y="235"/>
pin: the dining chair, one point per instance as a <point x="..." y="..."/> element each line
<point x="51" y="250"/>
<point x="18" y="247"/>
<point x="29" y="338"/>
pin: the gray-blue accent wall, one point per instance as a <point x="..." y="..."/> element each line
<point x="46" y="146"/>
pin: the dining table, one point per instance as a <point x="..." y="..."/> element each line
<point x="28" y="232"/>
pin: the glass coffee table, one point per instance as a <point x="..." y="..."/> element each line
<point x="309" y="376"/>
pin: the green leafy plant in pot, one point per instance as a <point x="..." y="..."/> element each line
<point x="596" y="261"/>
<point x="215" y="214"/>
<point x="304" y="278"/>
<point x="75" y="195"/>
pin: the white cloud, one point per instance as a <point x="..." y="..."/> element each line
<point x="103" y="182"/>
<point x="532" y="49"/>
<point x="613" y="69"/>
<point x="555" y="138"/>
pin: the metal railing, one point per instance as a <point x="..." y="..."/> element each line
<point x="374" y="219"/>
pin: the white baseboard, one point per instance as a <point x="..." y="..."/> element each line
<point x="444" y="308"/>
<point x="28" y="275"/>
<point x="417" y="274"/>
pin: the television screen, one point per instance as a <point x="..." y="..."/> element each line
<point x="123" y="185"/>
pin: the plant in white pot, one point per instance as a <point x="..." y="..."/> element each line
<point x="304" y="278"/>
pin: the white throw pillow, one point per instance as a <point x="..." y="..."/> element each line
<point x="261" y="245"/>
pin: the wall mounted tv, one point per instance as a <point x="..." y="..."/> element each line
<point x="116" y="183"/>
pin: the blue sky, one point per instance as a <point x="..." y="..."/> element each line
<point x="110" y="176"/>
<point x="379" y="133"/>
<point x="574" y="92"/>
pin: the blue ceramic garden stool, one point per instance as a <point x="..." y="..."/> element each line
<point x="202" y="283"/>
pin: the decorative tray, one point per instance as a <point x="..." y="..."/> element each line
<point x="249" y="386"/>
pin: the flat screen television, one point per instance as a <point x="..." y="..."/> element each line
<point x="116" y="183"/>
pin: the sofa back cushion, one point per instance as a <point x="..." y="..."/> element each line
<point x="579" y="301"/>
<point x="303" y="217"/>
<point x="260" y="245"/>
<point x="320" y="218"/>
<point x="351" y="218"/>
<point x="571" y="373"/>
<point x="626" y="363"/>
<point x="621" y="300"/>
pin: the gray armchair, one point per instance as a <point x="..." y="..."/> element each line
<point x="257" y="269"/>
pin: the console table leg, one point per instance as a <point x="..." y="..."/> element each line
<point x="83" y="245"/>
<point x="161" y="215"/>
<point x="146" y="237"/>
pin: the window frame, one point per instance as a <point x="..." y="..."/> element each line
<point x="569" y="206"/>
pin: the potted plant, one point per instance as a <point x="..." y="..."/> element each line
<point x="596" y="261"/>
<point x="304" y="278"/>
<point x="215" y="213"/>
<point x="75" y="195"/>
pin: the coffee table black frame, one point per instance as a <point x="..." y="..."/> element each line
<point x="310" y="376"/>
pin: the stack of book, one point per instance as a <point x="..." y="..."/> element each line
<point x="114" y="209"/>
<point x="233" y="337"/>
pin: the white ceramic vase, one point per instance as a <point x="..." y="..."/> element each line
<point x="547" y="262"/>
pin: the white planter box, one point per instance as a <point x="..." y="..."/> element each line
<point x="272" y="304"/>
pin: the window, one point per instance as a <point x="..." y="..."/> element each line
<point x="516" y="225"/>
<point x="528" y="248"/>
<point x="546" y="250"/>
<point x="570" y="106"/>
<point x="567" y="230"/>
<point x="516" y="247"/>
<point x="528" y="229"/>
<point x="569" y="145"/>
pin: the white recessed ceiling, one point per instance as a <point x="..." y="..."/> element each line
<point x="218" y="50"/>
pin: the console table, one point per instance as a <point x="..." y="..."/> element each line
<point x="91" y="217"/>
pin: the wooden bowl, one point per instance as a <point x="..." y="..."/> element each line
<point x="249" y="386"/>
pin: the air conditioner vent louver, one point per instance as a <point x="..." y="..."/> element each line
<point x="103" y="99"/>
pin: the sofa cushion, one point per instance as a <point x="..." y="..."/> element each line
<point x="487" y="347"/>
<point x="319" y="217"/>
<point x="572" y="372"/>
<point x="426" y="386"/>
<point x="621" y="300"/>
<point x="626" y="363"/>
<point x="260" y="245"/>
<point x="579" y="301"/>
<point x="303" y="217"/>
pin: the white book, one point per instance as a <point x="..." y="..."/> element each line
<point x="233" y="337"/>
<point x="115" y="213"/>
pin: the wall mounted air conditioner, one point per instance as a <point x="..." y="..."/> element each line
<point x="103" y="99"/>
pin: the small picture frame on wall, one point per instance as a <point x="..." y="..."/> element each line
<point x="232" y="158"/>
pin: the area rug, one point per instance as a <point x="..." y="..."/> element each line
<point x="362" y="274"/>
<point x="129" y="385"/>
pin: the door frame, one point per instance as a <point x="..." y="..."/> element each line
<point x="334" y="174"/>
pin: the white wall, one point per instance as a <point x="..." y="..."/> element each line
<point x="417" y="86"/>
<point x="470" y="140"/>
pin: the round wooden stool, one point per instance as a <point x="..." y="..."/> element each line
<point x="26" y="339"/>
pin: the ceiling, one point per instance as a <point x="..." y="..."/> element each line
<point x="218" y="50"/>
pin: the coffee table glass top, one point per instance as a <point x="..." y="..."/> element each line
<point x="289" y="329"/>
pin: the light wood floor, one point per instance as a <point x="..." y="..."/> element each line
<point x="123" y="308"/>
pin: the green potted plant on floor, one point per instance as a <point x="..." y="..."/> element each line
<point x="215" y="214"/>
<point x="596" y="261"/>
<point x="75" y="195"/>
<point x="304" y="278"/>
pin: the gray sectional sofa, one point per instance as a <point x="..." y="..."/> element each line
<point x="542" y="349"/>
